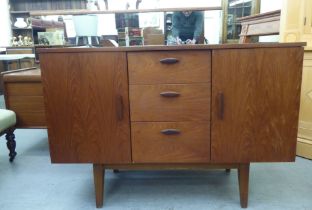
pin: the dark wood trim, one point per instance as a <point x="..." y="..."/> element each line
<point x="172" y="48"/>
<point x="173" y="166"/>
<point x="17" y="70"/>
<point x="84" y="12"/>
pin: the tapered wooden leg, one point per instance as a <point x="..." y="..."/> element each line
<point x="11" y="144"/>
<point x="243" y="180"/>
<point x="98" y="173"/>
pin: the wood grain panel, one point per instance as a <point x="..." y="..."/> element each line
<point x="149" y="145"/>
<point x="146" y="68"/>
<point x="147" y="104"/>
<point x="24" y="89"/>
<point x="31" y="119"/>
<point x="261" y="104"/>
<point x="26" y="103"/>
<point x="88" y="108"/>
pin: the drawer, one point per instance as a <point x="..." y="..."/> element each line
<point x="26" y="103"/>
<point x="30" y="119"/>
<point x="148" y="102"/>
<point x="191" y="67"/>
<point x="24" y="89"/>
<point x="170" y="142"/>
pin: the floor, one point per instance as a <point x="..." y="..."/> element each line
<point x="31" y="182"/>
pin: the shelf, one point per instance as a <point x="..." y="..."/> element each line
<point x="15" y="28"/>
<point x="82" y="12"/>
<point x="20" y="12"/>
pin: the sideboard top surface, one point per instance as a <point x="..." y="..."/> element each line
<point x="32" y="75"/>
<point x="170" y="48"/>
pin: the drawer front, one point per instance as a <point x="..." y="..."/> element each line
<point x="153" y="68"/>
<point x="24" y="89"/>
<point x="26" y="103"/>
<point x="31" y="119"/>
<point x="170" y="142"/>
<point x="182" y="102"/>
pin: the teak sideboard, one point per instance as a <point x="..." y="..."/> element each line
<point x="189" y="107"/>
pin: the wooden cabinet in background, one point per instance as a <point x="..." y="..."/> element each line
<point x="215" y="106"/>
<point x="231" y="11"/>
<point x="296" y="25"/>
<point x="296" y="21"/>
<point x="304" y="145"/>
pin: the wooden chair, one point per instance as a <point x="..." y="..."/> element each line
<point x="7" y="126"/>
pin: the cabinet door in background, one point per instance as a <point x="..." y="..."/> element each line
<point x="255" y="104"/>
<point x="87" y="107"/>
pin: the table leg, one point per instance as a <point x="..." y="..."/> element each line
<point x="243" y="180"/>
<point x="98" y="173"/>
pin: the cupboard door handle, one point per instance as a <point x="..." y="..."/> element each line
<point x="120" y="107"/>
<point x="170" y="131"/>
<point x="170" y="94"/>
<point x="169" y="60"/>
<point x="221" y="105"/>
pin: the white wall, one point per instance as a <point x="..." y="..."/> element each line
<point x="5" y="24"/>
<point x="269" y="5"/>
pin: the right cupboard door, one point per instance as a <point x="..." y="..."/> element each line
<point x="255" y="104"/>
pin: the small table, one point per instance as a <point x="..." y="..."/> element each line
<point x="14" y="57"/>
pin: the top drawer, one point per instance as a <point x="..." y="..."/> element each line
<point x="169" y="67"/>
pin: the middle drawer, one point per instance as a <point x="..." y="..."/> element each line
<point x="167" y="102"/>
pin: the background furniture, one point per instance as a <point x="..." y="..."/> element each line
<point x="23" y="94"/>
<point x="80" y="22"/>
<point x="296" y="25"/>
<point x="220" y="114"/>
<point x="259" y="25"/>
<point x="17" y="57"/>
<point x="233" y="9"/>
<point x="7" y="123"/>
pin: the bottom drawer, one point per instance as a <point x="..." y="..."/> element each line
<point x="31" y="120"/>
<point x="170" y="142"/>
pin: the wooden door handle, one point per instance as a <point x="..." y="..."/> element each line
<point x="170" y="131"/>
<point x="170" y="94"/>
<point x="119" y="107"/>
<point x="221" y="105"/>
<point x="169" y="60"/>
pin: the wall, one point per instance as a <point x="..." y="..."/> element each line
<point x="5" y="25"/>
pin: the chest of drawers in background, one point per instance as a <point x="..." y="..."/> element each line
<point x="23" y="94"/>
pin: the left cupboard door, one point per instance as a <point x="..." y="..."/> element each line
<point x="87" y="107"/>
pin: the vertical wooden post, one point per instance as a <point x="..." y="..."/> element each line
<point x="98" y="174"/>
<point x="243" y="180"/>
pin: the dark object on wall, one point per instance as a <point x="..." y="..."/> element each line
<point x="30" y="5"/>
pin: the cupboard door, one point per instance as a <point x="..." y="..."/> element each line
<point x="87" y="107"/>
<point x="255" y="104"/>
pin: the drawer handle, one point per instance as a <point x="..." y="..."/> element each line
<point x="170" y="94"/>
<point x="170" y="131"/>
<point x="169" y="61"/>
